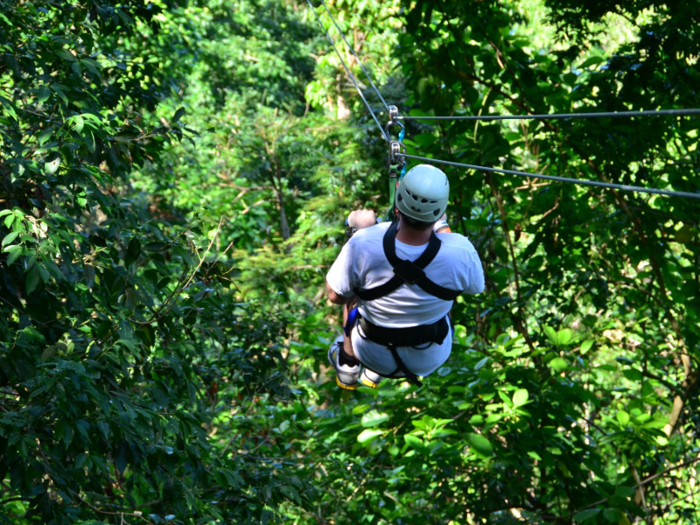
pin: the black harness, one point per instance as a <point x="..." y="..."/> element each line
<point x="407" y="272"/>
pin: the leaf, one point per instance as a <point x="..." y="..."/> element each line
<point x="613" y="515"/>
<point x="66" y="55"/>
<point x="359" y="409"/>
<point x="480" y="444"/>
<point x="368" y="435"/>
<point x="592" y="61"/>
<point x="551" y="334"/>
<point x="43" y="94"/>
<point x="586" y="514"/>
<point x="92" y="66"/>
<point x="58" y="89"/>
<point x="33" y="278"/>
<point x="78" y="123"/>
<point x="9" y="107"/>
<point x="443" y="371"/>
<point x="104" y="428"/>
<point x="9" y="238"/>
<point x="565" y="336"/>
<point x="476" y="420"/>
<point x="414" y="442"/>
<point x="15" y="251"/>
<point x="374" y="418"/>
<point x="89" y="140"/>
<point x="625" y="492"/>
<point x="67" y="435"/>
<point x="133" y="251"/>
<point x="178" y="115"/>
<point x="520" y="397"/>
<point x="586" y="346"/>
<point x="559" y="364"/>
<point x="480" y="364"/>
<point x="51" y="167"/>
<point x="623" y="417"/>
<point x="44" y="136"/>
<point x="657" y="422"/>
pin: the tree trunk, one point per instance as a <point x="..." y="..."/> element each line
<point x="284" y="225"/>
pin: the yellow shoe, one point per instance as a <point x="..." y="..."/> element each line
<point x="345" y="376"/>
<point x="370" y="379"/>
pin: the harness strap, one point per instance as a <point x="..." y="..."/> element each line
<point x="413" y="378"/>
<point x="412" y="336"/>
<point x="408" y="272"/>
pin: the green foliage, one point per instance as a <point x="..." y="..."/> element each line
<point x="162" y="321"/>
<point x="117" y="329"/>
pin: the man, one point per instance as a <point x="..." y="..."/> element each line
<point x="404" y="278"/>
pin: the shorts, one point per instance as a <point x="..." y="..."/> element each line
<point x="422" y="361"/>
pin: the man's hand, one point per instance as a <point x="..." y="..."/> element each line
<point x="362" y="219"/>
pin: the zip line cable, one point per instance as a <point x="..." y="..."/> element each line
<point x="347" y="70"/>
<point x="552" y="116"/>
<point x="386" y="106"/>
<point x="561" y="116"/>
<point x="624" y="187"/>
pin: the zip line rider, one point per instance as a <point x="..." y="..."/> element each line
<point x="404" y="278"/>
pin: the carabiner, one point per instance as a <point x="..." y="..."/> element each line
<point x="393" y="115"/>
<point x="396" y="149"/>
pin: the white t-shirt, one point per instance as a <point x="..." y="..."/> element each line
<point x="362" y="264"/>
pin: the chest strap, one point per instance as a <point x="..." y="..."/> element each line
<point x="408" y="272"/>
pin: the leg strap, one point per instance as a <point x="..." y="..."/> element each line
<point x="413" y="378"/>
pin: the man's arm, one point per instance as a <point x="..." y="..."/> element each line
<point x="335" y="298"/>
<point x="358" y="219"/>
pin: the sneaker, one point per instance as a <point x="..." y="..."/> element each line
<point x="346" y="376"/>
<point x="369" y="378"/>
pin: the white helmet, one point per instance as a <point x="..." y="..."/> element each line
<point x="423" y="193"/>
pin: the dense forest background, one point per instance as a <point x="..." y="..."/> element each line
<point x="175" y="176"/>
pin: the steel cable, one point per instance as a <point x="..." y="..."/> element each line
<point x="561" y="116"/>
<point x="611" y="185"/>
<point x="386" y="106"/>
<point x="352" y="77"/>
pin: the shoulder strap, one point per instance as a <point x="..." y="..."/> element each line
<point x="408" y="272"/>
<point x="389" y="243"/>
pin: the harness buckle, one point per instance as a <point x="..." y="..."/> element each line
<point x="409" y="272"/>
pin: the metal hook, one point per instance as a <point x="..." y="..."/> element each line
<point x="393" y="116"/>
<point x="396" y="150"/>
<point x="393" y="113"/>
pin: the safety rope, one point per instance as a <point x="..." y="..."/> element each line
<point x="352" y="50"/>
<point x="583" y="182"/>
<point x="556" y="116"/>
<point x="347" y="70"/>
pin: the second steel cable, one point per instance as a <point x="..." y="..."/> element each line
<point x="352" y="77"/>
